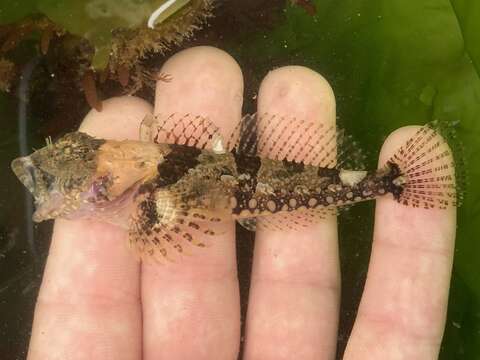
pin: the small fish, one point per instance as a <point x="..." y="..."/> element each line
<point x="172" y="186"/>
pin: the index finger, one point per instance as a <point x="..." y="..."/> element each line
<point x="89" y="305"/>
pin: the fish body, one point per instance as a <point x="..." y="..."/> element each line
<point x="94" y="175"/>
<point x="172" y="192"/>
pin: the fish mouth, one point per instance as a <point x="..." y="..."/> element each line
<point x="25" y="171"/>
<point x="47" y="203"/>
<point x="88" y="201"/>
<point x="49" y="208"/>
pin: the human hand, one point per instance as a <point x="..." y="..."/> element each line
<point x="98" y="302"/>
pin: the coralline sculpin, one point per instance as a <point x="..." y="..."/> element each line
<point x="182" y="176"/>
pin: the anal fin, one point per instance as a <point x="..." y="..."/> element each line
<point x="297" y="220"/>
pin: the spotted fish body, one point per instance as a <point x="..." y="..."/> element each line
<point x="286" y="186"/>
<point x="221" y="183"/>
<point x="171" y="194"/>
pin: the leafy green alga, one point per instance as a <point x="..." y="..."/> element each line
<point x="393" y="63"/>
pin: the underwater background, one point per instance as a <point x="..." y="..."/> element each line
<point x="391" y="63"/>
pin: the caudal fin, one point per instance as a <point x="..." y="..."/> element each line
<point x="431" y="167"/>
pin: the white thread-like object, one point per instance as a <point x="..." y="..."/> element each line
<point x="158" y="12"/>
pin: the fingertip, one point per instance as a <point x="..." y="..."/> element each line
<point x="298" y="91"/>
<point x="203" y="56"/>
<point x="119" y="119"/>
<point x="395" y="141"/>
<point x="391" y="146"/>
<point x="204" y="81"/>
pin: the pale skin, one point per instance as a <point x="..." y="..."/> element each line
<point x="98" y="302"/>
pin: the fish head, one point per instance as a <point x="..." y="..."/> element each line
<point x="80" y="176"/>
<point x="62" y="176"/>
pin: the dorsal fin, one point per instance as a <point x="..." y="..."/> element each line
<point x="291" y="142"/>
<point x="181" y="129"/>
<point x="281" y="138"/>
<point x="296" y="140"/>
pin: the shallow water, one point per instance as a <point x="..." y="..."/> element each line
<point x="390" y="65"/>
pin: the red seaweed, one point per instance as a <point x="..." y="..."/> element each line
<point x="45" y="40"/>
<point x="123" y="74"/>
<point x="90" y="90"/>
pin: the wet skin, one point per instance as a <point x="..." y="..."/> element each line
<point x="98" y="302"/>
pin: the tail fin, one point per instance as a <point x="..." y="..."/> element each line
<point x="432" y="168"/>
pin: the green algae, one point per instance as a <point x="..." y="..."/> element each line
<point x="97" y="20"/>
<point x="121" y="32"/>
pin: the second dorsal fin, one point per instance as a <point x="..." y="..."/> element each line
<point x="295" y="140"/>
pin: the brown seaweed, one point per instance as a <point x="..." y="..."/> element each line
<point x="90" y="90"/>
<point x="128" y="48"/>
<point x="7" y="73"/>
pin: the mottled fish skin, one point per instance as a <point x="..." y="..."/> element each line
<point x="160" y="185"/>
<point x="172" y="195"/>
<point x="83" y="171"/>
<point x="249" y="186"/>
<point x="79" y="176"/>
<point x="190" y="183"/>
<point x="287" y="186"/>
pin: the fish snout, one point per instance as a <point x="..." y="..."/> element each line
<point x="25" y="172"/>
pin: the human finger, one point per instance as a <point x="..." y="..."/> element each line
<point x="295" y="285"/>
<point x="89" y="301"/>
<point x="191" y="307"/>
<point x="404" y="303"/>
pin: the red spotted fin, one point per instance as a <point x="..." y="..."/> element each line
<point x="431" y="168"/>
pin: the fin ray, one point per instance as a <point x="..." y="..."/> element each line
<point x="432" y="163"/>
<point x="181" y="129"/>
<point x="296" y="140"/>
<point x="296" y="220"/>
<point x="164" y="228"/>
